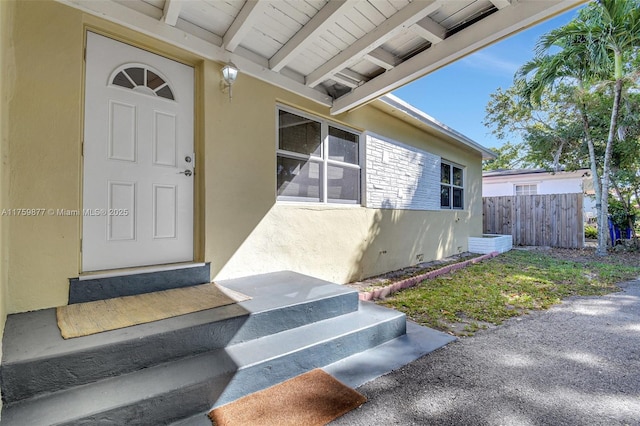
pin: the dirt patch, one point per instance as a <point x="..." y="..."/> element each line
<point x="588" y="255"/>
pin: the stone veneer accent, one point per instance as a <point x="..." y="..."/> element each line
<point x="399" y="176"/>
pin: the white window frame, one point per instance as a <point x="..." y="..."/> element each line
<point x="528" y="191"/>
<point x="451" y="185"/>
<point x="323" y="160"/>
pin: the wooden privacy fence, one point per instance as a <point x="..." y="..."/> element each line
<point x="554" y="220"/>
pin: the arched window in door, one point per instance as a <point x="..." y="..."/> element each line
<point x="143" y="79"/>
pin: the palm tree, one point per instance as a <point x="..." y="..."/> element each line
<point x="570" y="64"/>
<point x="592" y="50"/>
<point x="615" y="32"/>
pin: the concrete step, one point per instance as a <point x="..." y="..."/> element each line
<point x="362" y="367"/>
<point x="36" y="360"/>
<point x="102" y="286"/>
<point x="177" y="390"/>
<point x="199" y="419"/>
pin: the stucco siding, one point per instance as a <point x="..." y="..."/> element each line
<point x="345" y="244"/>
<point x="546" y="184"/>
<point x="44" y="152"/>
<point x="7" y="75"/>
<point x="561" y="186"/>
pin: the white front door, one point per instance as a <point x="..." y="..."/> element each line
<point x="138" y="158"/>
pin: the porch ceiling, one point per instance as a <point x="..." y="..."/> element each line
<point x="340" y="53"/>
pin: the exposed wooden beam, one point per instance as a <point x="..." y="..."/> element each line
<point x="196" y="44"/>
<point x="430" y="30"/>
<point x="171" y="12"/>
<point x="494" y="27"/>
<point x="250" y="13"/>
<point x="309" y="32"/>
<point x="391" y="27"/>
<point x="148" y="20"/>
<point x="347" y="81"/>
<point x="354" y="75"/>
<point x="501" y="3"/>
<point x="350" y="78"/>
<point x="382" y="58"/>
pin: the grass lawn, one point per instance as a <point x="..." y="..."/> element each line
<point x="506" y="286"/>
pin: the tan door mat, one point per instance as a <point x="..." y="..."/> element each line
<point x="83" y="319"/>
<point x="313" y="398"/>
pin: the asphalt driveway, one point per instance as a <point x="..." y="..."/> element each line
<point x="575" y="364"/>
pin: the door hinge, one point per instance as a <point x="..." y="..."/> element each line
<point x="80" y="245"/>
<point x="82" y="149"/>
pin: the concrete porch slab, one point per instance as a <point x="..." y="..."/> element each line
<point x="361" y="368"/>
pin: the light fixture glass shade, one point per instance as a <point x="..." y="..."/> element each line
<point x="229" y="73"/>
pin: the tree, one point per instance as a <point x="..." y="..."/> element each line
<point x="550" y="125"/>
<point x="615" y="31"/>
<point x="569" y="65"/>
<point x="510" y="156"/>
<point x="592" y="49"/>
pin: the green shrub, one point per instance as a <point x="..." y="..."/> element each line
<point x="590" y="232"/>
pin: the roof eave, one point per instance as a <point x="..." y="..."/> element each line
<point x="499" y="174"/>
<point x="414" y="114"/>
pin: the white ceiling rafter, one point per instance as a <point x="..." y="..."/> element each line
<point x="250" y="13"/>
<point x="339" y="53"/>
<point x="382" y="58"/>
<point x="501" y="3"/>
<point x="404" y="18"/>
<point x="245" y="61"/>
<point x="354" y="75"/>
<point x="493" y="28"/>
<point x="350" y="78"/>
<point x="346" y="80"/>
<point x="316" y="26"/>
<point x="429" y="30"/>
<point x="171" y="12"/>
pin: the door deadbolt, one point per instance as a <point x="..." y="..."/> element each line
<point x="187" y="159"/>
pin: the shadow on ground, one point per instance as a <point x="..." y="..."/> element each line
<point x="577" y="363"/>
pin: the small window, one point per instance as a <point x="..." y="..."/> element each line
<point x="142" y="79"/>
<point x="529" y="189"/>
<point x="299" y="134"/>
<point x="343" y="146"/>
<point x="298" y="179"/>
<point x="317" y="161"/>
<point x="451" y="186"/>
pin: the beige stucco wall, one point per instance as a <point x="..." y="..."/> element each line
<point x="241" y="229"/>
<point x="248" y="232"/>
<point x="44" y="150"/>
<point x="6" y="73"/>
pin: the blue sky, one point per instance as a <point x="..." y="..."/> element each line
<point x="457" y="94"/>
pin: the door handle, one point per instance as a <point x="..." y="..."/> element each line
<point x="186" y="172"/>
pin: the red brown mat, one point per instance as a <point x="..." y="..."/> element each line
<point x="313" y="398"/>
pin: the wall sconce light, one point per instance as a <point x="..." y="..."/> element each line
<point x="229" y="75"/>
